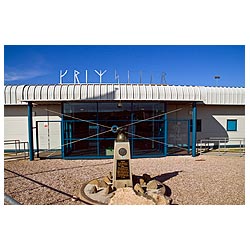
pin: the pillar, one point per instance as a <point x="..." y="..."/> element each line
<point x="194" y="118"/>
<point x="30" y="132"/>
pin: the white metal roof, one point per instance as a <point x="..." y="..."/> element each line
<point x="20" y="94"/>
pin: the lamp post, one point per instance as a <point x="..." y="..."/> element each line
<point x="217" y="78"/>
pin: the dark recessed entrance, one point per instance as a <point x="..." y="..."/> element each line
<point x="87" y="128"/>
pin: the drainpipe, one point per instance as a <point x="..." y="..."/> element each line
<point x="194" y="118"/>
<point x="30" y="132"/>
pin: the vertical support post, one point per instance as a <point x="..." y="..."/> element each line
<point x="194" y="119"/>
<point x="62" y="130"/>
<point x="165" y="134"/>
<point x="188" y="136"/>
<point x="37" y="140"/>
<point x="30" y="132"/>
<point x="98" y="131"/>
<point x="132" y="129"/>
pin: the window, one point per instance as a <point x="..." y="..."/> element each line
<point x="231" y="125"/>
<point x="198" y="125"/>
<point x="87" y="128"/>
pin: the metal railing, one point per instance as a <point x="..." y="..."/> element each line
<point x="9" y="200"/>
<point x="15" y="149"/>
<point x="221" y="145"/>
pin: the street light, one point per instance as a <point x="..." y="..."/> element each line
<point x="217" y="78"/>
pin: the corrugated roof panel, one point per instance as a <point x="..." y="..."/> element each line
<point x="104" y="92"/>
<point x="83" y="91"/>
<point x="116" y="92"/>
<point x="214" y="95"/>
<point x="64" y="91"/>
<point x="96" y="92"/>
<point x="229" y="96"/>
<point x="7" y="95"/>
<point x="50" y="91"/>
<point x="136" y="92"/>
<point x="19" y="90"/>
<point x="190" y="92"/>
<point x="186" y="93"/>
<point x="241" y="95"/>
<point x="71" y="91"/>
<point x="234" y="98"/>
<point x="180" y="93"/>
<point x="174" y="94"/>
<point x="226" y="96"/>
<point x="155" y="92"/>
<point x="43" y="90"/>
<point x="203" y="94"/>
<point x="109" y="91"/>
<point x="161" y="92"/>
<point x="168" y="93"/>
<point x="197" y="92"/>
<point x="57" y="91"/>
<point x="90" y="91"/>
<point x="37" y="92"/>
<point x="148" y="91"/>
<point x="31" y="91"/>
<point x="12" y="96"/>
<point x="15" y="94"/>
<point x="123" y="92"/>
<point x="130" y="92"/>
<point x="208" y="95"/>
<point x="222" y="95"/>
<point x="142" y="94"/>
<point x="77" y="91"/>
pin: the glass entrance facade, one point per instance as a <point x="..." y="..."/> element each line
<point x="87" y="128"/>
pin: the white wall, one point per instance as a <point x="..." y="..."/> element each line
<point x="214" y="122"/>
<point x="213" y="118"/>
<point x="16" y="125"/>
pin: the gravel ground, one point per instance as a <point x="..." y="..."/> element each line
<point x="201" y="180"/>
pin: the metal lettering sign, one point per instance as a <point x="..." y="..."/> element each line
<point x="100" y="73"/>
<point x="76" y="73"/>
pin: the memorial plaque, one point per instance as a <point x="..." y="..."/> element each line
<point x="122" y="170"/>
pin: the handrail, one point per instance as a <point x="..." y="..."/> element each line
<point x="19" y="147"/>
<point x="221" y="144"/>
<point x="10" y="200"/>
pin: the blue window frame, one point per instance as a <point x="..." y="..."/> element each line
<point x="231" y="125"/>
<point x="87" y="128"/>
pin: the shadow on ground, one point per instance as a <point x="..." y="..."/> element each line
<point x="161" y="178"/>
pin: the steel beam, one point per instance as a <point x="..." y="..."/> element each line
<point x="194" y="120"/>
<point x="30" y="132"/>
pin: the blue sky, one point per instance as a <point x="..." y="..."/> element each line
<point x="177" y="64"/>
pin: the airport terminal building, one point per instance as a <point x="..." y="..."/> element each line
<point x="74" y="121"/>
